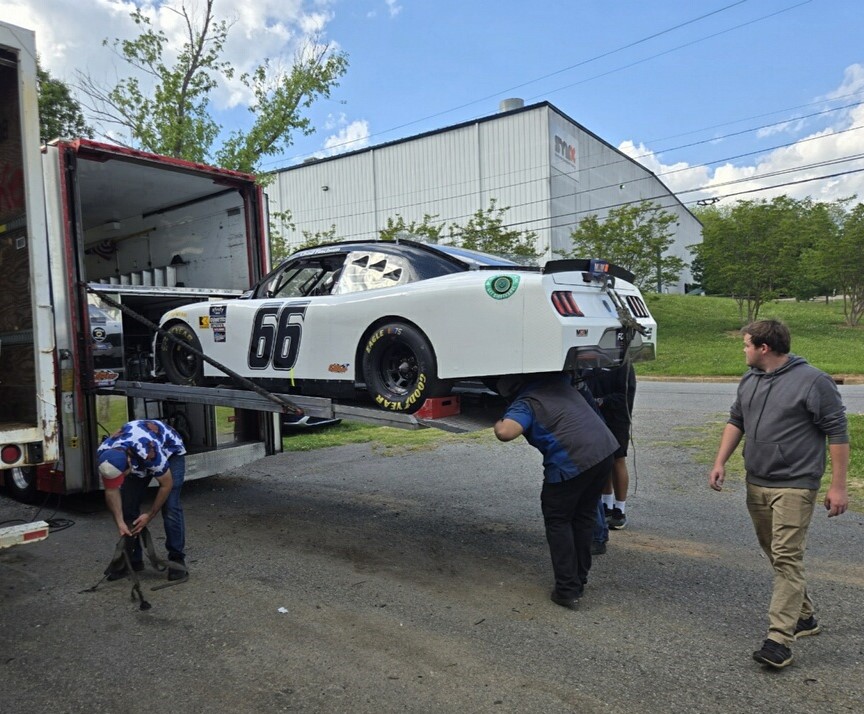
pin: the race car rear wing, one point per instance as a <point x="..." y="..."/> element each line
<point x="591" y="268"/>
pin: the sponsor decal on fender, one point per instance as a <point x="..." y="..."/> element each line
<point x="501" y="287"/>
<point x="204" y="322"/>
<point x="338" y="368"/>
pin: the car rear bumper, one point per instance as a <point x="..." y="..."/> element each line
<point x="609" y="351"/>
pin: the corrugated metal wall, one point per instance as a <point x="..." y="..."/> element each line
<point x="546" y="169"/>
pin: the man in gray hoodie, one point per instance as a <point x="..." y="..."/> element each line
<point x="787" y="409"/>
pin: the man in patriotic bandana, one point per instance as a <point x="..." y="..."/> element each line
<point x="127" y="460"/>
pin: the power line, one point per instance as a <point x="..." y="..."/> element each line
<point x="552" y="74"/>
<point x="512" y="185"/>
<point x="526" y="225"/>
<point x="679" y="47"/>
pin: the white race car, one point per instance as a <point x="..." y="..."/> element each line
<point x="406" y="321"/>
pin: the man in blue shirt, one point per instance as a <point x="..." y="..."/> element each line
<point x="577" y="450"/>
<point x="127" y="460"/>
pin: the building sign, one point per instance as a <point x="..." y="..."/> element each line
<point x="563" y="147"/>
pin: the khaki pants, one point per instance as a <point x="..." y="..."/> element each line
<point x="781" y="517"/>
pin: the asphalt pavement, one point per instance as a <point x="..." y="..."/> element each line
<point x="358" y="580"/>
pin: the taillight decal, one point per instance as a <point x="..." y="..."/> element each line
<point x="637" y="306"/>
<point x="565" y="304"/>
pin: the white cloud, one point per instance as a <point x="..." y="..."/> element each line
<point x="831" y="150"/>
<point x="70" y="41"/>
<point x="350" y="137"/>
<point x="393" y="7"/>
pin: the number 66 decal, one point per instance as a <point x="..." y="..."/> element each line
<point x="275" y="338"/>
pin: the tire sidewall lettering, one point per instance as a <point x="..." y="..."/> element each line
<point x="378" y="334"/>
<point x="403" y="404"/>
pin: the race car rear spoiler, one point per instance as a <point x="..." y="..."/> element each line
<point x="590" y="266"/>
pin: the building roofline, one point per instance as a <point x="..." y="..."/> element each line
<point x="482" y="120"/>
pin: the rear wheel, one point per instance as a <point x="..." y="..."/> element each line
<point x="399" y="368"/>
<point x="182" y="366"/>
<point x="21" y="483"/>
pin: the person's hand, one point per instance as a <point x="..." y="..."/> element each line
<point x="140" y="523"/>
<point x="123" y="529"/>
<point x="836" y="501"/>
<point x="716" y="477"/>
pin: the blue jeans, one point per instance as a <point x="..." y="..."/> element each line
<point x="601" y="528"/>
<point x="132" y="493"/>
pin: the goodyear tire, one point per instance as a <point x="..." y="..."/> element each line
<point x="21" y="483"/>
<point x="182" y="366"/>
<point x="399" y="368"/>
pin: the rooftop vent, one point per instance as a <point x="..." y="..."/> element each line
<point x="508" y="105"/>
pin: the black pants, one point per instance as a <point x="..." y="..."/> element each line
<point x="569" y="510"/>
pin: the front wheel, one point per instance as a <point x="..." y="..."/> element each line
<point x="181" y="365"/>
<point x="21" y="483"/>
<point x="399" y="368"/>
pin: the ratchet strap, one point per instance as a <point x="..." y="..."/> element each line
<point x="121" y="559"/>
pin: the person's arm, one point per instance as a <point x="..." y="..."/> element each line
<point x="166" y="483"/>
<point x="728" y="443"/>
<point x="508" y="429"/>
<point x="837" y="499"/>
<point x="115" y="505"/>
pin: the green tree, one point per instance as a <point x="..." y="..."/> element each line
<point x="279" y="248"/>
<point x="635" y="237"/>
<point x="312" y="240"/>
<point x="821" y="226"/>
<point x="843" y="260"/>
<point x="426" y="230"/>
<point x="752" y="250"/>
<point x="486" y="231"/>
<point x="174" y="117"/>
<point x="60" y="114"/>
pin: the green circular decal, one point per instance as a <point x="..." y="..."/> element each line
<point x="501" y="287"/>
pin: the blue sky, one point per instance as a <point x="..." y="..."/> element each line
<point x="682" y="86"/>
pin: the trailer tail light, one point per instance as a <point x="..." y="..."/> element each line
<point x="565" y="304"/>
<point x="26" y="533"/>
<point x="10" y="454"/>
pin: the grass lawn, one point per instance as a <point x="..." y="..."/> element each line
<point x="699" y="336"/>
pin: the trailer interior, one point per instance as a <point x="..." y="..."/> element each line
<point x="157" y="235"/>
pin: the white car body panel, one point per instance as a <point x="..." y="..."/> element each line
<point x="472" y="333"/>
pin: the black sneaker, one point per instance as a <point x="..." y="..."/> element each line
<point x="606" y="512"/>
<point x="123" y="571"/>
<point x="571" y="603"/>
<point x="598" y="547"/>
<point x="773" y="654"/>
<point x="616" y="519"/>
<point x="175" y="573"/>
<point x="807" y="627"/>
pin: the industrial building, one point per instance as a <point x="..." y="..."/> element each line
<point x="549" y="170"/>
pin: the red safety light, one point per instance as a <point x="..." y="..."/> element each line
<point x="10" y="453"/>
<point x="565" y="304"/>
